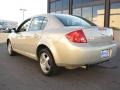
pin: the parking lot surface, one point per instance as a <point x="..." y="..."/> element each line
<point x="22" y="73"/>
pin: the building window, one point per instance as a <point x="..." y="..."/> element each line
<point x="98" y="15"/>
<point x="58" y="5"/>
<point x="59" y="12"/>
<point x="52" y="6"/>
<point x="86" y="1"/>
<point x="77" y="3"/>
<point x="53" y="12"/>
<point x="77" y="11"/>
<point x="65" y="11"/>
<point x="96" y="0"/>
<point x="66" y="4"/>
<point x="87" y="13"/>
<point x="115" y="15"/>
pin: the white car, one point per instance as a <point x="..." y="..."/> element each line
<point x="58" y="40"/>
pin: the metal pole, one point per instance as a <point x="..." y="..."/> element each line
<point x="107" y="13"/>
<point x="23" y="11"/>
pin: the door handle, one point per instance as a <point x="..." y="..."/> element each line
<point x="20" y="36"/>
<point x="37" y="36"/>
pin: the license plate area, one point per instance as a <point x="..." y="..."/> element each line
<point x="105" y="53"/>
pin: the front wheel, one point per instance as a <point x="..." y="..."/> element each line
<point x="10" y="50"/>
<point x="47" y="63"/>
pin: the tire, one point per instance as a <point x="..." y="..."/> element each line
<point x="47" y="63"/>
<point x="10" y="49"/>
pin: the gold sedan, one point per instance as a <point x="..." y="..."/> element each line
<point x="58" y="40"/>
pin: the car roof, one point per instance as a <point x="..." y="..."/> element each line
<point x="53" y="21"/>
<point x="48" y="14"/>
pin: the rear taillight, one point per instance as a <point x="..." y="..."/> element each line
<point x="76" y="36"/>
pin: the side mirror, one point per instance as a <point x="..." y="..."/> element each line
<point x="15" y="29"/>
<point x="12" y="30"/>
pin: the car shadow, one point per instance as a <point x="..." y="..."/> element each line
<point x="25" y="63"/>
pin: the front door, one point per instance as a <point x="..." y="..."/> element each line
<point x="34" y="34"/>
<point x="20" y="38"/>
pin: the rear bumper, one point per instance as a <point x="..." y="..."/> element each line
<point x="77" y="56"/>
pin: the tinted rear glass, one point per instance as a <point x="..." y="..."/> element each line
<point x="69" y="20"/>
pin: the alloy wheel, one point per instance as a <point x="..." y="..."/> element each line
<point x="45" y="62"/>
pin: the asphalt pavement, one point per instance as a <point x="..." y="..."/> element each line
<point x="22" y="73"/>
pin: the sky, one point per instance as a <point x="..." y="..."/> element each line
<point x="10" y="9"/>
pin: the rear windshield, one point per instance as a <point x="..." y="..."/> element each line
<point x="69" y="20"/>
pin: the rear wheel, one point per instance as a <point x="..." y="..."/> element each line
<point x="10" y="49"/>
<point x="47" y="64"/>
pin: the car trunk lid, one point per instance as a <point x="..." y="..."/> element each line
<point x="98" y="35"/>
<point x="94" y="35"/>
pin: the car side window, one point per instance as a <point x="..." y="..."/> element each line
<point x="24" y="26"/>
<point x="38" y="23"/>
<point x="44" y="23"/>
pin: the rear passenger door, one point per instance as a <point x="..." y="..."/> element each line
<point x="34" y="34"/>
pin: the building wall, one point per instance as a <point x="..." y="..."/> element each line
<point x="101" y="12"/>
